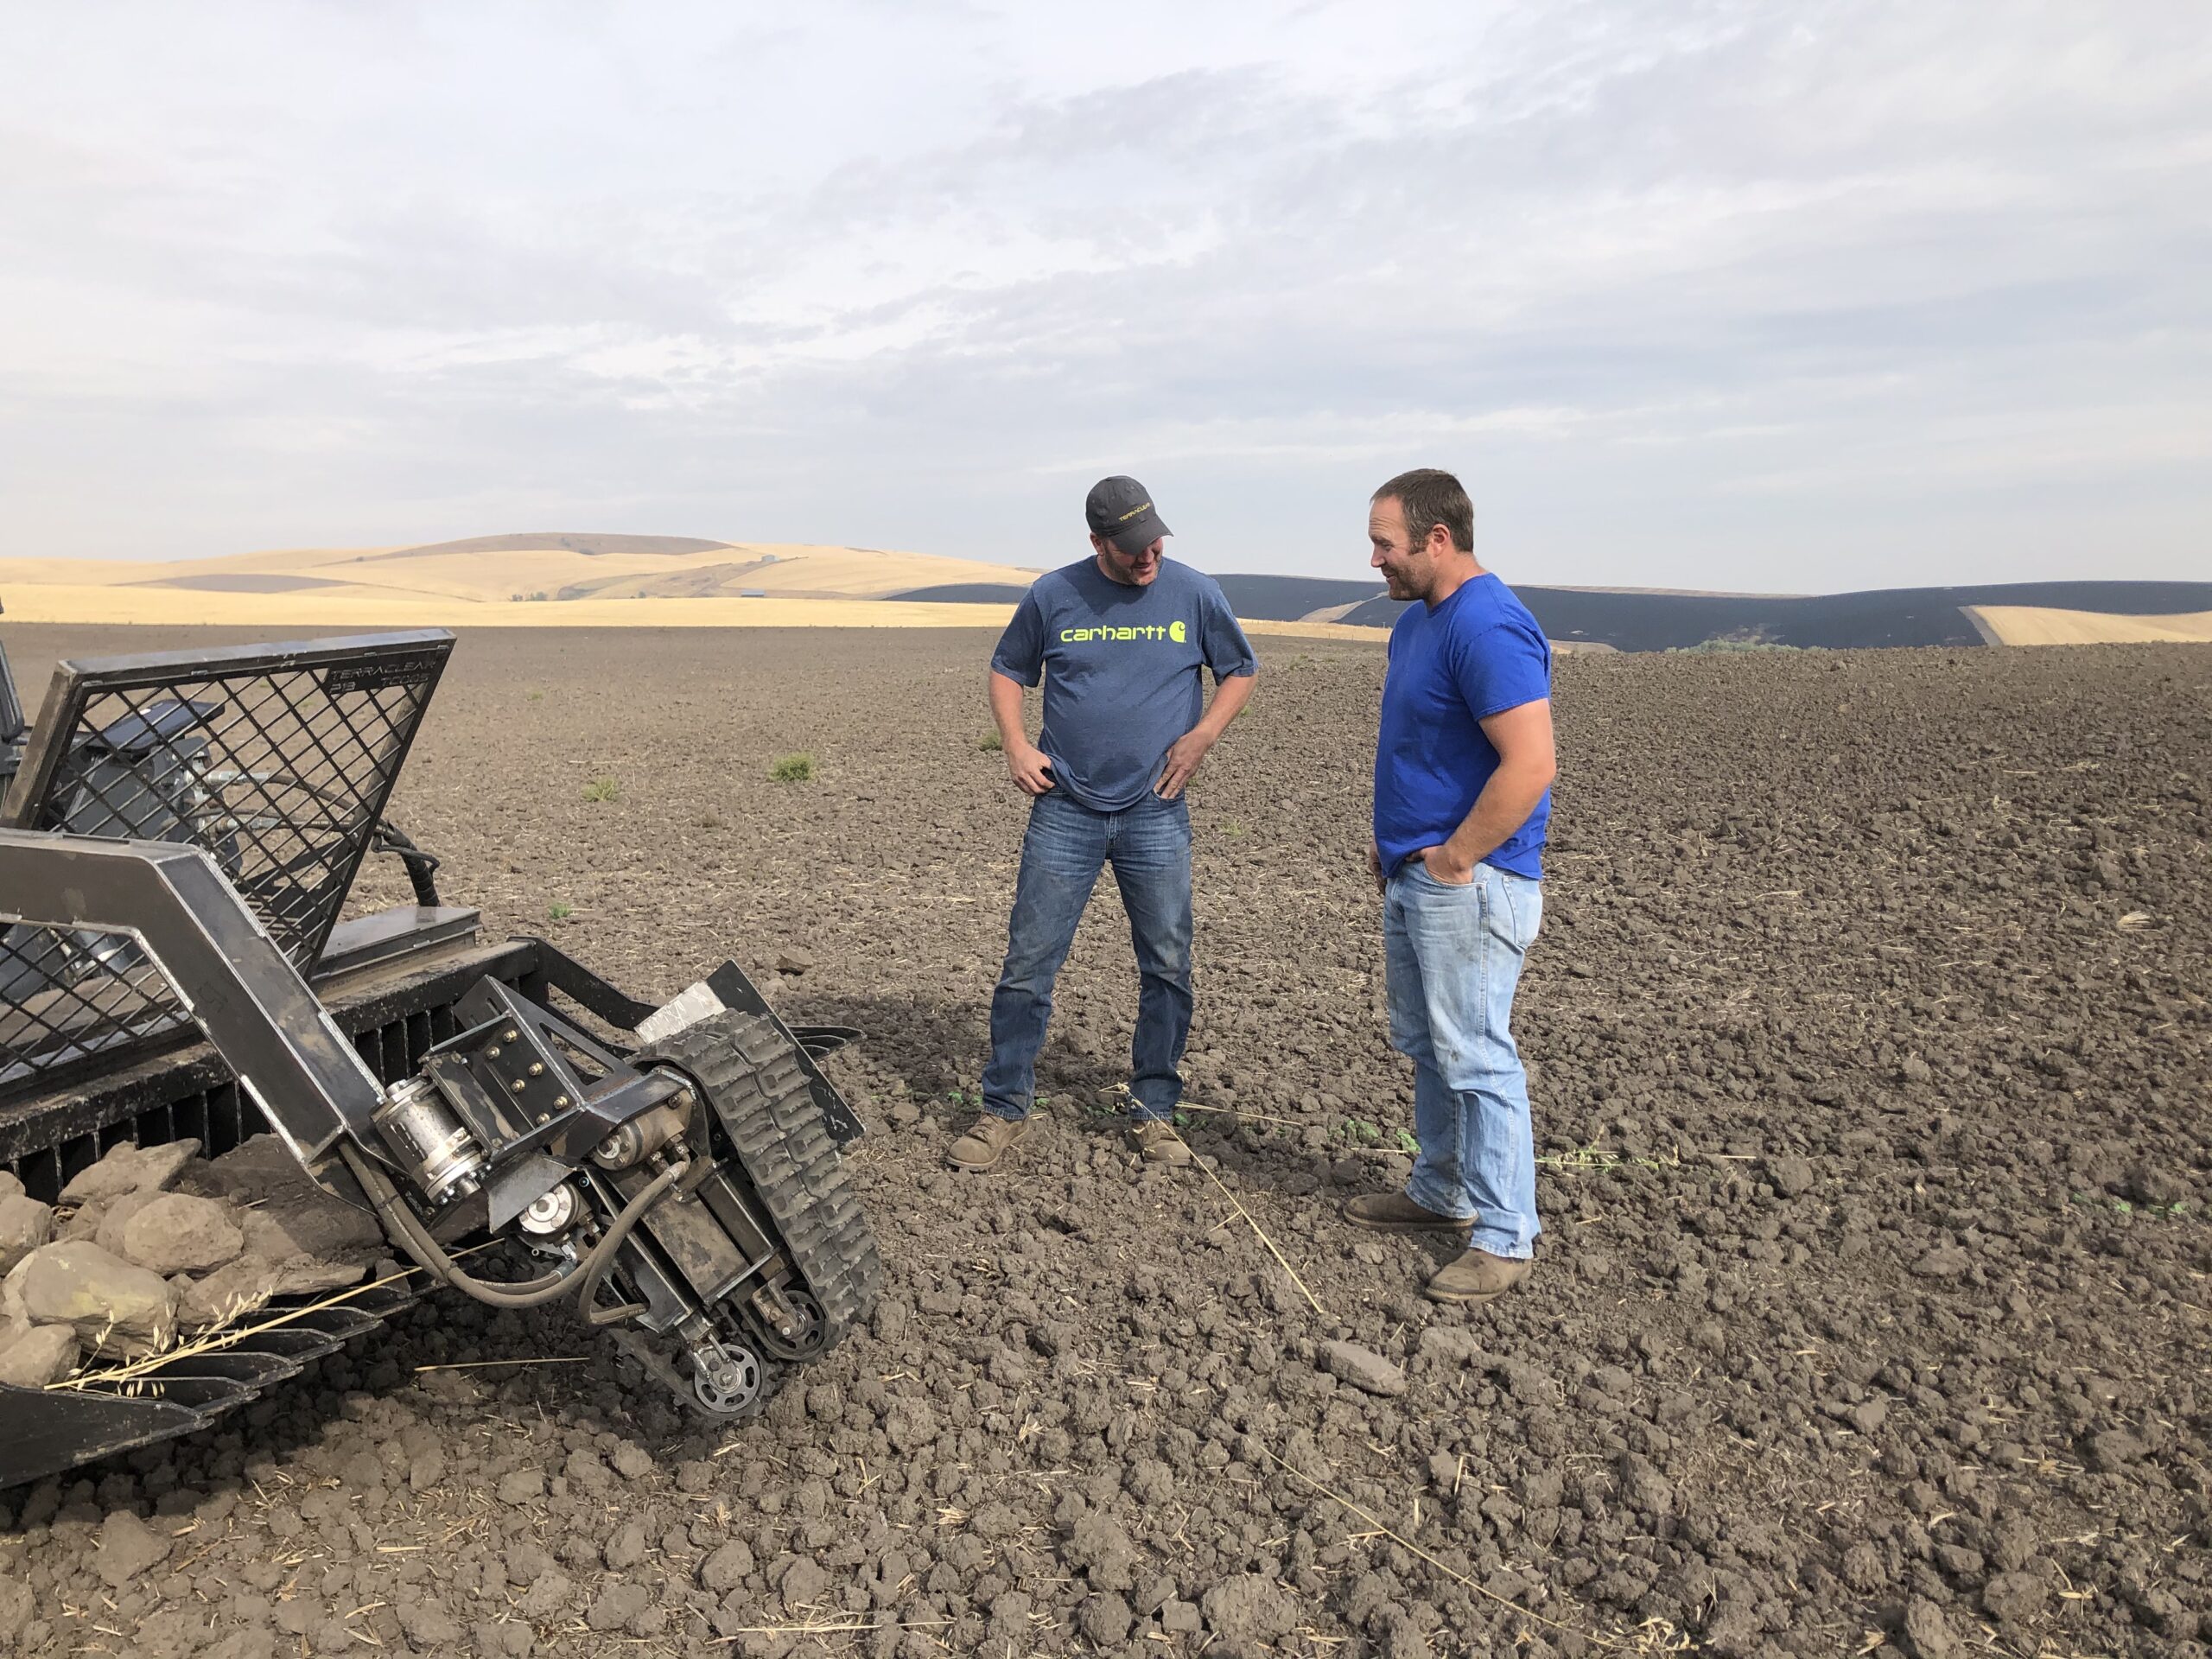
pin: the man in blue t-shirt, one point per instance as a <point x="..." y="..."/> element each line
<point x="1462" y="771"/>
<point x="1122" y="640"/>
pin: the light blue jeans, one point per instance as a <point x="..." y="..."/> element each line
<point x="1454" y="955"/>
<point x="1065" y="847"/>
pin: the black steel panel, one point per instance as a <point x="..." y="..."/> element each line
<point x="277" y="760"/>
<point x="189" y="925"/>
<point x="388" y="1013"/>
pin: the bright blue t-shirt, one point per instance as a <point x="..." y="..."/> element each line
<point x="1453" y="667"/>
<point x="1122" y="668"/>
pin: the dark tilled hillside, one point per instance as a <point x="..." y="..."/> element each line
<point x="1632" y="620"/>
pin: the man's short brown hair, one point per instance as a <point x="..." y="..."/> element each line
<point x="1429" y="497"/>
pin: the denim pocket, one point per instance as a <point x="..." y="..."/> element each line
<point x="1519" y="910"/>
<point x="1420" y="867"/>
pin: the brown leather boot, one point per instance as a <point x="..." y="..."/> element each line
<point x="1393" y="1212"/>
<point x="986" y="1142"/>
<point x="1475" y="1277"/>
<point x="1157" y="1143"/>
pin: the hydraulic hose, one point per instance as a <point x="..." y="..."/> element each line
<point x="602" y="1254"/>
<point x="583" y="1278"/>
<point x="422" y="867"/>
<point x="401" y="1224"/>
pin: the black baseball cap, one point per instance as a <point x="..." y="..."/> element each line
<point x="1121" y="509"/>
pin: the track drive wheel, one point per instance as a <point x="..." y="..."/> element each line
<point x="751" y="1078"/>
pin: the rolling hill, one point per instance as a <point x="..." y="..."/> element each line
<point x="574" y="578"/>
<point x="1626" y="619"/>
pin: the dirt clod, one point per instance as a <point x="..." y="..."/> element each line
<point x="128" y="1547"/>
<point x="1363" y="1367"/>
<point x="1251" y="1607"/>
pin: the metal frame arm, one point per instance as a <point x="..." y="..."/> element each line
<point x="238" y="988"/>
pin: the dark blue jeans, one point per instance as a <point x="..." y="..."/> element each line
<point x="1067" y="844"/>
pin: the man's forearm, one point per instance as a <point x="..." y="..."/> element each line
<point x="1228" y="700"/>
<point x="1503" y="806"/>
<point x="1006" y="709"/>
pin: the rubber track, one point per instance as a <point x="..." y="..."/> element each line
<point x="752" y="1078"/>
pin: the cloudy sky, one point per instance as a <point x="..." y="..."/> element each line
<point x="1790" y="297"/>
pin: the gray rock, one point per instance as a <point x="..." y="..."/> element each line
<point x="290" y="1215"/>
<point x="128" y="1547"/>
<point x="114" y="1216"/>
<point x="113" y="1176"/>
<point x="794" y="962"/>
<point x="25" y="1224"/>
<point x="228" y="1294"/>
<point x="1363" y="1367"/>
<point x="305" y="1276"/>
<point x="120" y="1309"/>
<point x="178" y="1233"/>
<point x="128" y="1169"/>
<point x="11" y="1187"/>
<point x="159" y="1166"/>
<point x="40" y="1355"/>
<point x="631" y="1460"/>
<point x="11" y="1295"/>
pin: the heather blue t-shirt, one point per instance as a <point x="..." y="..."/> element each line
<point x="1453" y="667"/>
<point x="1123" y="670"/>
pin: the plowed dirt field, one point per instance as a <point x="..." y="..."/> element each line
<point x="1872" y="1054"/>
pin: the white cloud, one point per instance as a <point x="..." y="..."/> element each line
<point x="1680" y="289"/>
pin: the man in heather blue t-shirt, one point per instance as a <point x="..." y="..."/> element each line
<point x="1123" y="641"/>
<point x="1463" y="770"/>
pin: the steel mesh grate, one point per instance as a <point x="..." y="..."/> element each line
<point x="277" y="761"/>
<point x="70" y="992"/>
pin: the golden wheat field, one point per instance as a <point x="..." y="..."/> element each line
<point x="567" y="582"/>
<point x="2025" y="624"/>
